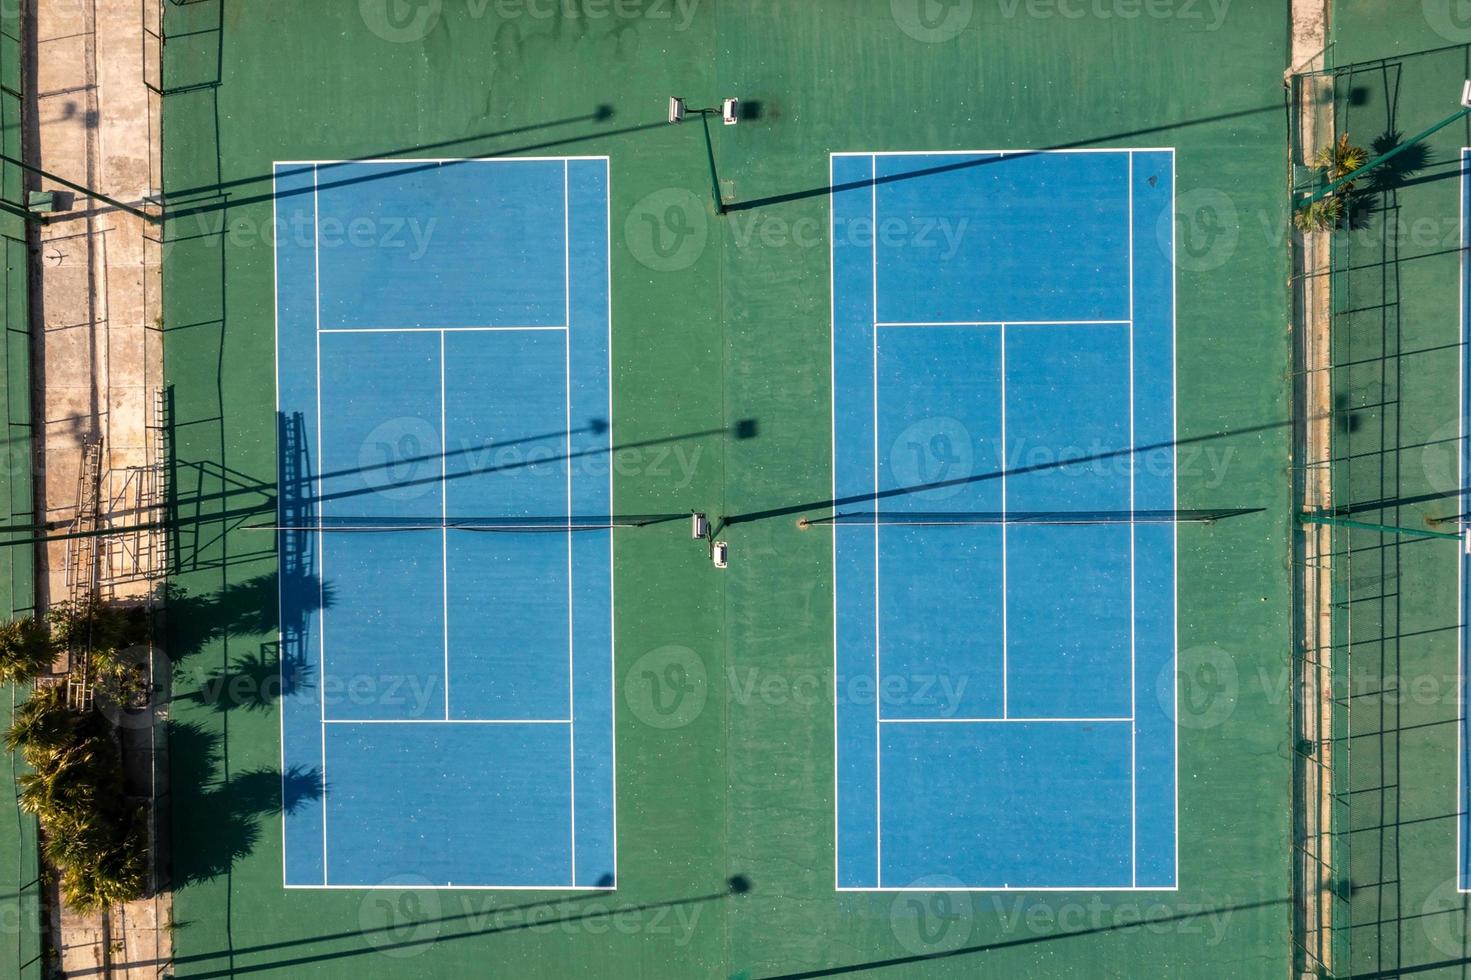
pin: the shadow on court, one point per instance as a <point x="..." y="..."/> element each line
<point x="969" y="164"/>
<point x="187" y="210"/>
<point x="562" y="912"/>
<point x="963" y="951"/>
<point x="599" y="114"/>
<point x="831" y="503"/>
<point x="225" y="810"/>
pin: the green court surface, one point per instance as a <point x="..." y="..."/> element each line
<point x="721" y="403"/>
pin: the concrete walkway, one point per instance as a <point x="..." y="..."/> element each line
<point x="98" y="356"/>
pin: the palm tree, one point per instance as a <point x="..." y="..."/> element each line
<point x="65" y="788"/>
<point x="120" y="876"/>
<point x="1322" y="215"/>
<point x="42" y="725"/>
<point x="26" y="651"/>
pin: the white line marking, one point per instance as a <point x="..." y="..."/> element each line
<point x="447" y="721"/>
<point x="1175" y="528"/>
<point x="832" y="360"/>
<point x="321" y="503"/>
<point x="1013" y="888"/>
<point x="1013" y="720"/>
<point x="1133" y="557"/>
<point x="1000" y="323"/>
<point x="518" y="329"/>
<point x="878" y="747"/>
<point x="280" y="488"/>
<point x="567" y="444"/>
<point x="999" y="153"/>
<point x="612" y="662"/>
<point x="444" y="516"/>
<point x="412" y="160"/>
<point x="1005" y="597"/>
<point x="458" y="888"/>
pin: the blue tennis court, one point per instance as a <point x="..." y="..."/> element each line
<point x="1003" y="408"/>
<point x="446" y="584"/>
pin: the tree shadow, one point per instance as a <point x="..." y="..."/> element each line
<point x="423" y="932"/>
<point x="247" y="609"/>
<point x="1394" y="172"/>
<point x="225" y="811"/>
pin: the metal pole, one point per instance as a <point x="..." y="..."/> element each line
<point x="710" y="151"/>
<point x="1381" y="528"/>
<point x="1377" y="161"/>
<point x="82" y="190"/>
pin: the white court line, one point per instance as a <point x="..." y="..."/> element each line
<point x="567" y="450"/>
<point x="612" y="604"/>
<point x="878" y="746"/>
<point x="931" y="889"/>
<point x="1005" y="598"/>
<point x="1003" y="323"/>
<point x="411" y="160"/>
<point x="444" y="519"/>
<point x="457" y="888"/>
<point x="1175" y="527"/>
<point x="321" y="502"/>
<point x="1013" y="720"/>
<point x="1000" y="153"/>
<point x="832" y="362"/>
<point x="446" y="721"/>
<point x="1133" y="556"/>
<point x="437" y="329"/>
<point x="280" y="590"/>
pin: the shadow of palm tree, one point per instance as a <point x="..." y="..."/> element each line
<point x="1400" y="168"/>
<point x="225" y="809"/>
<point x="244" y="609"/>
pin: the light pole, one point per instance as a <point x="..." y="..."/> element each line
<point x="729" y="114"/>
